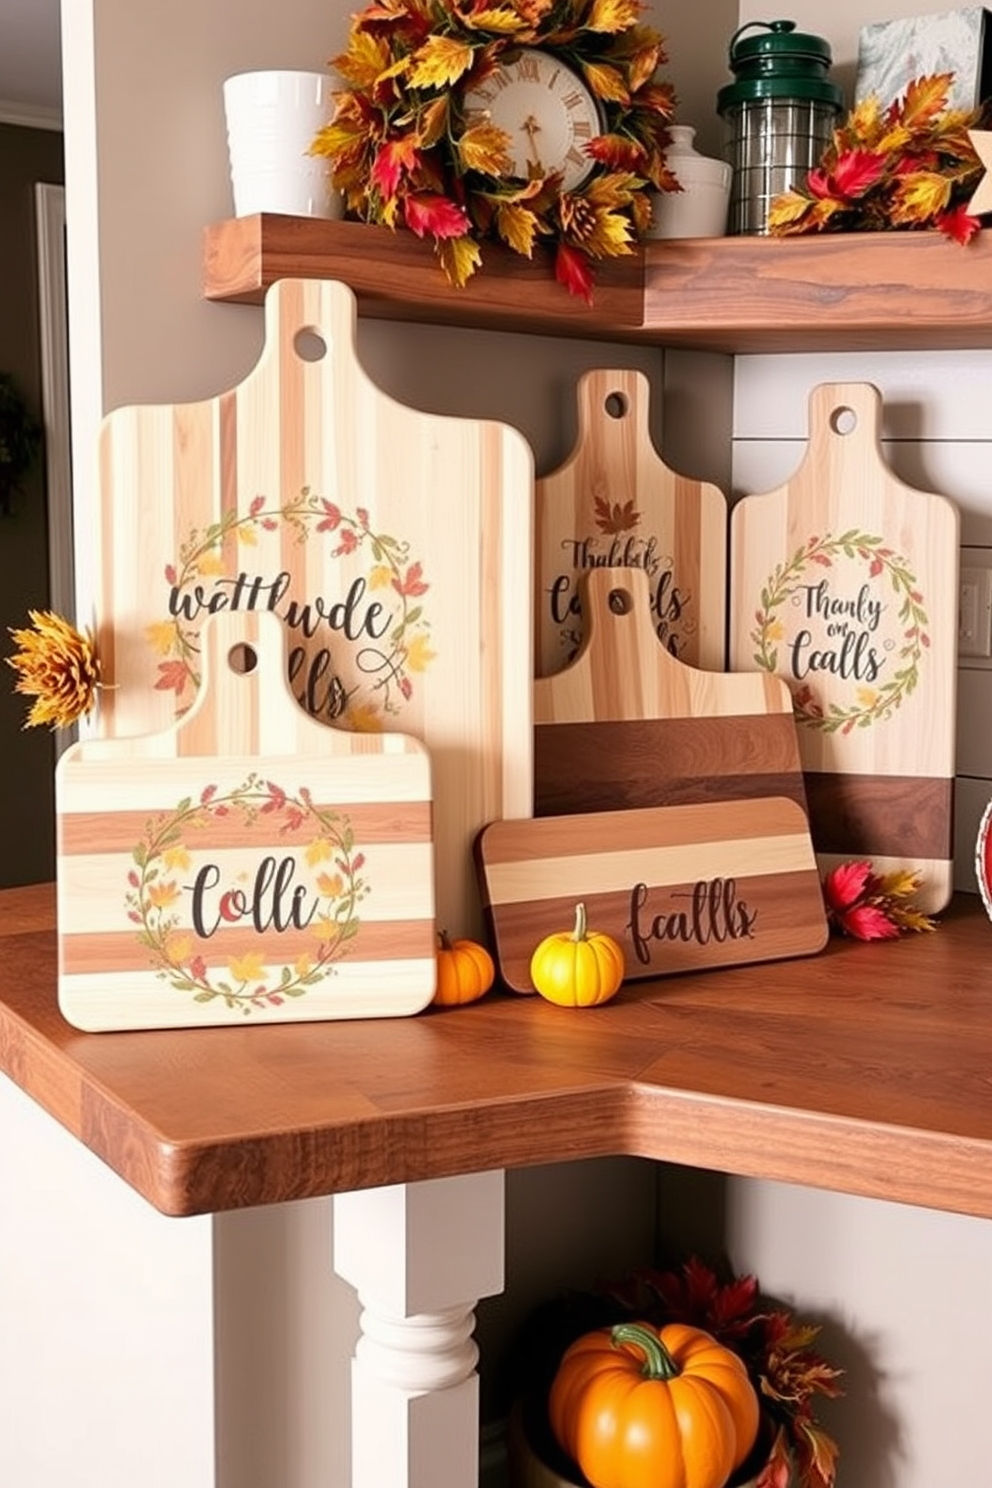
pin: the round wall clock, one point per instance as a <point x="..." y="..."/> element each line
<point x="547" y="113"/>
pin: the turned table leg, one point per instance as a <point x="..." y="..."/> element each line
<point x="419" y="1255"/>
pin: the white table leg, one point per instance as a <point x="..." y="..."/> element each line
<point x="420" y="1255"/>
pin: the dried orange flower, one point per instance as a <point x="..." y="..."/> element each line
<point x="58" y="667"/>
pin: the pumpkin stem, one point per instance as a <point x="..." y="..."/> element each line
<point x="658" y="1362"/>
<point x="443" y="940"/>
<point x="579" y="933"/>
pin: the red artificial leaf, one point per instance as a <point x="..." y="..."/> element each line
<point x="958" y="224"/>
<point x="867" y="922"/>
<point x="396" y="159"/>
<point x="856" y="172"/>
<point x="435" y="214"/>
<point x="843" y="886"/>
<point x="573" y="269"/>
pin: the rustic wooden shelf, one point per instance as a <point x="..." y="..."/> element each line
<point x="863" y="1069"/>
<point x="844" y="292"/>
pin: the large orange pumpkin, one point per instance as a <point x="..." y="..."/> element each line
<point x="636" y="1407"/>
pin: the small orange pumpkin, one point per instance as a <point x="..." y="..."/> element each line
<point x="639" y="1407"/>
<point x="578" y="968"/>
<point x="465" y="971"/>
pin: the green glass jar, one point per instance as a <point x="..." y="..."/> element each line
<point x="779" y="114"/>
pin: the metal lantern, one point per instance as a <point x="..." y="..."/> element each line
<point x="779" y="115"/>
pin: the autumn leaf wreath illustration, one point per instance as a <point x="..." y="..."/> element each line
<point x="383" y="608"/>
<point x="321" y="906"/>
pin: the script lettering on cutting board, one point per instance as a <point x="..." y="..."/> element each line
<point x="246" y="895"/>
<point x="845" y="611"/>
<point x="354" y="658"/>
<point x="708" y="912"/>
<point x="618" y="544"/>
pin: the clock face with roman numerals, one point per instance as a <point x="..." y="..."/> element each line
<point x="547" y="113"/>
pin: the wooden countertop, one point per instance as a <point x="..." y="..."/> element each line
<point x="867" y="1068"/>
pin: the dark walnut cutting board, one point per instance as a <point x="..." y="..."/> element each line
<point x="394" y="545"/>
<point x="844" y="584"/>
<point x="615" y="503"/>
<point x="626" y="725"/>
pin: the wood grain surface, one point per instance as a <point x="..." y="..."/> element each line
<point x="844" y="584"/>
<point x="395" y="546"/>
<point x="626" y="725"/>
<point x="863" y="1069"/>
<point x="678" y="887"/>
<point x="245" y="863"/>
<point x="615" y="503"/>
<point x="841" y="291"/>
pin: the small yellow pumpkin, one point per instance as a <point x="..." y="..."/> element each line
<point x="578" y="968"/>
<point x="641" y="1407"/>
<point x="465" y="971"/>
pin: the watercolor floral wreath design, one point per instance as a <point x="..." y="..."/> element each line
<point x="200" y="557"/>
<point x="873" y="704"/>
<point x="246" y="981"/>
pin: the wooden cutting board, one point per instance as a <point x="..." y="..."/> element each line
<point x="248" y="863"/>
<point x="626" y="725"/>
<point x="616" y="503"/>
<point x="844" y="582"/>
<point x="678" y="887"/>
<point x="395" y="546"/>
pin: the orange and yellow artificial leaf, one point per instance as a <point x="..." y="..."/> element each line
<point x="925" y="98"/>
<point x="433" y="124"/>
<point x="617" y="151"/>
<point x="611" y="16"/>
<point x="920" y="196"/>
<point x="459" y="258"/>
<point x="485" y="147"/>
<point x="500" y="19"/>
<point x="365" y="60"/>
<point x="440" y="62"/>
<point x="58" y="667"/>
<point x="517" y="226"/>
<point x="606" y="82"/>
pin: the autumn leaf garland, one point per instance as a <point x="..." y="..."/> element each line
<point x="910" y="165"/>
<point x="404" y="153"/>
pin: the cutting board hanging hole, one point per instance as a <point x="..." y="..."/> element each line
<point x="621" y="601"/>
<point x="242" y="659"/>
<point x="617" y="405"/>
<point x="309" y="344"/>
<point x="843" y="420"/>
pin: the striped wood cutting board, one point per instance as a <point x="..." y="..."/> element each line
<point x="615" y="503"/>
<point x="844" y="582"/>
<point x="680" y="888"/>
<point x="395" y="545"/>
<point x="627" y="725"/>
<point x="248" y="863"/>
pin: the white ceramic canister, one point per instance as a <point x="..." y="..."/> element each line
<point x="272" y="119"/>
<point x="699" y="210"/>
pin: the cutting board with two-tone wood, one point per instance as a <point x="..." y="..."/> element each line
<point x="394" y="545"/>
<point x="627" y="725"/>
<point x="246" y="864"/>
<point x="615" y="503"/>
<point x="844" y="584"/>
<point x="679" y="888"/>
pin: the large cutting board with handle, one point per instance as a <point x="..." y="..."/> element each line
<point x="615" y="503"/>
<point x="627" y="725"/>
<point x="247" y="863"/>
<point x="679" y="888"/>
<point x="844" y="584"/>
<point x="393" y="544"/>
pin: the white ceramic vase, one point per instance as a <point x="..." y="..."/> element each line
<point x="699" y="210"/>
<point x="272" y="119"/>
